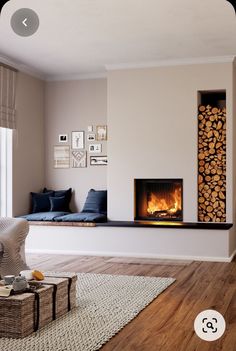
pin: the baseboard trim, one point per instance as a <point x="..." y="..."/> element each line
<point x="131" y="254"/>
<point x="232" y="256"/>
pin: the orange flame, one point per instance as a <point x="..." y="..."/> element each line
<point x="171" y="203"/>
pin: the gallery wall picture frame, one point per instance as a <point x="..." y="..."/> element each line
<point x="61" y="156"/>
<point x="98" y="160"/>
<point x="101" y="132"/>
<point x="63" y="138"/>
<point x="95" y="148"/>
<point x="77" y="140"/>
<point x="78" y="159"/>
<point x="91" y="137"/>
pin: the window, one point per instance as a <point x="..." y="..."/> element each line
<point x="5" y="172"/>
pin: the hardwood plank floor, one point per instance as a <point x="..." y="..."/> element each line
<point x="167" y="323"/>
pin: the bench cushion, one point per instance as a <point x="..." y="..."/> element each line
<point x="44" y="216"/>
<point x="82" y="217"/>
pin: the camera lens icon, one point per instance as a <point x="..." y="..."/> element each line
<point x="209" y="325"/>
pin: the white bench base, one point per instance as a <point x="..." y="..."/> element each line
<point x="194" y="244"/>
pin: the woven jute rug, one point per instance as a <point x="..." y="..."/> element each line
<point x="106" y="303"/>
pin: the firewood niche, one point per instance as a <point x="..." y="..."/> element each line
<point x="212" y="157"/>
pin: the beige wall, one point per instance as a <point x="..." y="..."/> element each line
<point x="28" y="142"/>
<point x="72" y="106"/>
<point x="152" y="118"/>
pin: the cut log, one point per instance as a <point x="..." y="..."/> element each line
<point x="202" y="108"/>
<point x="211" y="164"/>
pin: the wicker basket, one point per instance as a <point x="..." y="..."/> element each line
<point x="65" y="294"/>
<point x="18" y="313"/>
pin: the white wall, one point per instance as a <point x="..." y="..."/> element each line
<point x="152" y="118"/>
<point x="72" y="106"/>
<point x="152" y="128"/>
<point x="28" y="142"/>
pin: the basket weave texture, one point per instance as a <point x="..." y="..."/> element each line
<point x="18" y="313"/>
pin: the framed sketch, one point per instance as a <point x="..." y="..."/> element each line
<point x="79" y="159"/>
<point x="95" y="148"/>
<point x="98" y="160"/>
<point x="91" y="137"/>
<point x="61" y="157"/>
<point x="101" y="133"/>
<point x="63" y="138"/>
<point x="77" y="140"/>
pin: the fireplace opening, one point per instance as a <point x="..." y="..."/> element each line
<point x="158" y="199"/>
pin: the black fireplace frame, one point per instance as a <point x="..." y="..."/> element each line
<point x="160" y="180"/>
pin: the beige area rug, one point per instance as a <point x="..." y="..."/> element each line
<point x="106" y="303"/>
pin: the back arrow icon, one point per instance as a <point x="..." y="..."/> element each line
<point x="24" y="22"/>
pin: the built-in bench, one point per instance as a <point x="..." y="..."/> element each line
<point x="176" y="240"/>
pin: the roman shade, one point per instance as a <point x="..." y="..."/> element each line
<point x="7" y="97"/>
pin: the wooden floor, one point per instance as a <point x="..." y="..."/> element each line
<point x="167" y="323"/>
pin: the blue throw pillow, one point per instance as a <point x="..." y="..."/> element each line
<point x="96" y="202"/>
<point x="60" y="193"/>
<point x="40" y="201"/>
<point x="58" y="203"/>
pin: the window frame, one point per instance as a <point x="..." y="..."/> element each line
<point x="6" y="137"/>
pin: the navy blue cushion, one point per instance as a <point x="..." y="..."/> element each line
<point x="40" y="201"/>
<point x="59" y="193"/>
<point x="82" y="217"/>
<point x="44" y="216"/>
<point x="96" y="202"/>
<point x="58" y="203"/>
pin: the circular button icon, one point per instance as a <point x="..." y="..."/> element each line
<point x="209" y="325"/>
<point x="25" y="22"/>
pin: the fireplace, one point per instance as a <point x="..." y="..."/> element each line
<point x="158" y="199"/>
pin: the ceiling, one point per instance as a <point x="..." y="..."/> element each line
<point x="82" y="37"/>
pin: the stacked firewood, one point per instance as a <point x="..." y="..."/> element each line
<point x="211" y="164"/>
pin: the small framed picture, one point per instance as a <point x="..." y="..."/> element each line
<point x="95" y="148"/>
<point x="77" y="140"/>
<point x="61" y="157"/>
<point x="101" y="133"/>
<point x="91" y="137"/>
<point x="98" y="160"/>
<point x="63" y="138"/>
<point x="79" y="159"/>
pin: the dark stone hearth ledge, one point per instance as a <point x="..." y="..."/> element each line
<point x="162" y="224"/>
<point x="140" y="224"/>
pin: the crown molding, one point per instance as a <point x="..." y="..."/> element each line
<point x="112" y="67"/>
<point x="167" y="63"/>
<point x="22" y="67"/>
<point x="80" y="76"/>
<point x="35" y="73"/>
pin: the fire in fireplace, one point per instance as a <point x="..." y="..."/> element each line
<point x="158" y="199"/>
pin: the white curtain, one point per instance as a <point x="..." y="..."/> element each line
<point x="7" y="97"/>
